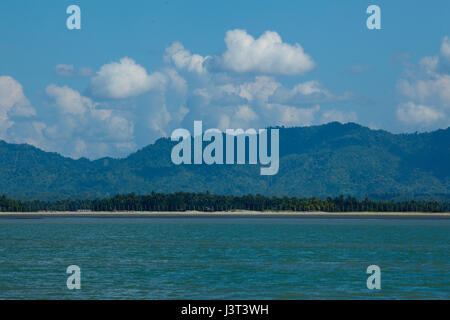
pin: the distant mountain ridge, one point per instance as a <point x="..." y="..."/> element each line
<point x="321" y="161"/>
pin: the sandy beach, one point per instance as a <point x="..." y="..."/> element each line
<point x="228" y="214"/>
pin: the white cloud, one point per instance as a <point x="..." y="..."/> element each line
<point x="180" y="114"/>
<point x="97" y="133"/>
<point x="246" y="113"/>
<point x="234" y="117"/>
<point x="429" y="64"/>
<point x="183" y="59"/>
<point x="437" y="64"/>
<point x="427" y="91"/>
<point x="12" y="98"/>
<point x="127" y="107"/>
<point x="218" y="94"/>
<point x="68" y="100"/>
<point x="292" y="116"/>
<point x="12" y="103"/>
<point x="307" y="88"/>
<point x="30" y="132"/>
<point x="83" y="129"/>
<point x="435" y="89"/>
<point x="224" y="122"/>
<point x="237" y="100"/>
<point x="260" y="89"/>
<point x="306" y="93"/>
<point x="418" y="114"/>
<point x="125" y="79"/>
<point x="118" y="128"/>
<point x="177" y="81"/>
<point x="267" y="54"/>
<point x="159" y="120"/>
<point x="260" y="102"/>
<point x="445" y="48"/>
<point x="5" y="124"/>
<point x="236" y="92"/>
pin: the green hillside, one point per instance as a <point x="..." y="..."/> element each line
<point x="326" y="160"/>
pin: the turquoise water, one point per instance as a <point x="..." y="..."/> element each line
<point x="224" y="258"/>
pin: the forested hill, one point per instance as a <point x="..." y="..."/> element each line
<point x="321" y="161"/>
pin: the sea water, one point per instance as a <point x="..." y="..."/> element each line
<point x="224" y="258"/>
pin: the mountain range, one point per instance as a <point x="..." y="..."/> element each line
<point x="316" y="161"/>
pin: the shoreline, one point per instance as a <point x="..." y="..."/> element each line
<point x="226" y="214"/>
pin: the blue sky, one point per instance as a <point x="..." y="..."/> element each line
<point x="137" y="70"/>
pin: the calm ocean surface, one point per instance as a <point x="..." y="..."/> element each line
<point x="224" y="258"/>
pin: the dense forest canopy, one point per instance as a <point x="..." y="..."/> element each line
<point x="183" y="201"/>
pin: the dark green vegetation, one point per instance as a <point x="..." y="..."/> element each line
<point x="320" y="161"/>
<point x="182" y="201"/>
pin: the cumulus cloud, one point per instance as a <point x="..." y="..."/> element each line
<point x="159" y="120"/>
<point x="426" y="90"/>
<point x="236" y="92"/>
<point x="12" y="98"/>
<point x="78" y="127"/>
<point x="245" y="113"/>
<point x="262" y="101"/>
<point x="177" y="81"/>
<point x="125" y="107"/>
<point x="68" y="70"/>
<point x="5" y="123"/>
<point x="437" y="64"/>
<point x="260" y="89"/>
<point x="234" y="117"/>
<point x="239" y="89"/>
<point x="183" y="59"/>
<point x="445" y="48"/>
<point x="217" y="94"/>
<point x="83" y="129"/>
<point x="30" y="132"/>
<point x="293" y="116"/>
<point x="13" y="103"/>
<point x="125" y="79"/>
<point x="418" y="114"/>
<point x="435" y="89"/>
<point x="68" y="100"/>
<point x="307" y="88"/>
<point x="307" y="93"/>
<point x="266" y="54"/>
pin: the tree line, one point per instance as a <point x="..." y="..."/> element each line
<point x="183" y="201"/>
